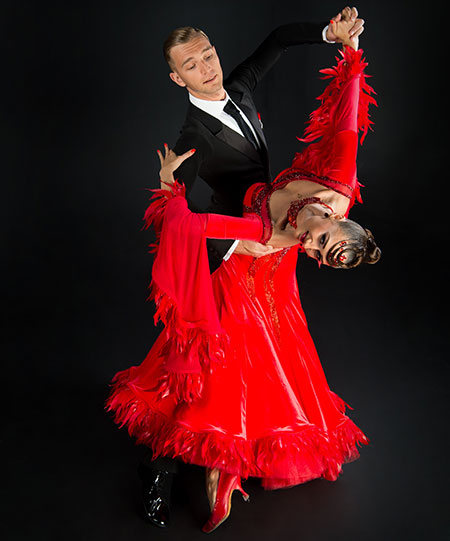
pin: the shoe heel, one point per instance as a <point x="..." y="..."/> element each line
<point x="245" y="496"/>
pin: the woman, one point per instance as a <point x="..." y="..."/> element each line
<point x="234" y="383"/>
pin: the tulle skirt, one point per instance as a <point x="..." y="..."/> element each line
<point x="267" y="411"/>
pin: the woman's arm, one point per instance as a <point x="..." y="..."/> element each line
<point x="215" y="226"/>
<point x="333" y="127"/>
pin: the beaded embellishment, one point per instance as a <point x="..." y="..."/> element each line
<point x="297" y="205"/>
<point x="336" y="255"/>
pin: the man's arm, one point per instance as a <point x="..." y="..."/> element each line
<point x="189" y="169"/>
<point x="253" y="69"/>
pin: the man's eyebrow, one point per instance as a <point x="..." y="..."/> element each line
<point x="192" y="58"/>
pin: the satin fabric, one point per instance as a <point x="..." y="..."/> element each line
<point x="268" y="411"/>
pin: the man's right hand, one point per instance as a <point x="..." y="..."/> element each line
<point x="254" y="249"/>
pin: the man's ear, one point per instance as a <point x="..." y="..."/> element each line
<point x="177" y="79"/>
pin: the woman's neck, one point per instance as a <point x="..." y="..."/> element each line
<point x="280" y="200"/>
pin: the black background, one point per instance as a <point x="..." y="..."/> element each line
<point x="86" y="102"/>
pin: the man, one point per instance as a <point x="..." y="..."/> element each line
<point x="223" y="126"/>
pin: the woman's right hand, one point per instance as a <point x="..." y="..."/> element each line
<point x="170" y="162"/>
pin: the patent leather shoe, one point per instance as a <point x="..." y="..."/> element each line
<point x="156" y="497"/>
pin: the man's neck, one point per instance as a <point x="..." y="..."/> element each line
<point x="218" y="96"/>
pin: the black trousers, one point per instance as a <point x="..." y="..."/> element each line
<point x="147" y="466"/>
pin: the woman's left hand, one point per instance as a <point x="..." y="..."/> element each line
<point x="170" y="162"/>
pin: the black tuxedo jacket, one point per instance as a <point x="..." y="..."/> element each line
<point x="225" y="160"/>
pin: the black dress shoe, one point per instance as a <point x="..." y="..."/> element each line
<point x="156" y="487"/>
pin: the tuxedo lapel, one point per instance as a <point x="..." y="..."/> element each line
<point x="253" y="118"/>
<point x="238" y="142"/>
<point x="213" y="125"/>
<point x="224" y="133"/>
<point x="250" y="113"/>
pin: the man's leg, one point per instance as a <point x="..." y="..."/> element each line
<point x="157" y="477"/>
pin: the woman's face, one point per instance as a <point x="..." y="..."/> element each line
<point x="317" y="231"/>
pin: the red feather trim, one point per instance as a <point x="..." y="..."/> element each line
<point x="181" y="387"/>
<point x="182" y="337"/>
<point x="317" y="158"/>
<point x="282" y="459"/>
<point x="154" y="215"/>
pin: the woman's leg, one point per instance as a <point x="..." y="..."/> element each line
<point x="212" y="480"/>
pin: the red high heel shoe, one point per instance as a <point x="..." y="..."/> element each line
<point x="222" y="507"/>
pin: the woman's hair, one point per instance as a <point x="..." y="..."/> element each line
<point x="180" y="35"/>
<point x="358" y="246"/>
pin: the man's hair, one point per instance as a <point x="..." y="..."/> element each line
<point x="180" y="35"/>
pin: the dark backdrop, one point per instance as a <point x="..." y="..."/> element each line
<point x="86" y="102"/>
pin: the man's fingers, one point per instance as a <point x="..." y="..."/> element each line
<point x="346" y="13"/>
<point x="354" y="14"/>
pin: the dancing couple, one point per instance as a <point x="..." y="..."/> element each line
<point x="234" y="382"/>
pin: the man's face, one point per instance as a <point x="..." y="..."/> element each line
<point x="197" y="67"/>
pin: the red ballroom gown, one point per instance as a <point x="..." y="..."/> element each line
<point x="234" y="381"/>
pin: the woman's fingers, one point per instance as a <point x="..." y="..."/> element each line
<point x="357" y="27"/>
<point x="188" y="154"/>
<point x="357" y="33"/>
<point x="170" y="161"/>
<point x="161" y="159"/>
<point x="180" y="159"/>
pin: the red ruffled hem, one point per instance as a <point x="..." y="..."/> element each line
<point x="281" y="459"/>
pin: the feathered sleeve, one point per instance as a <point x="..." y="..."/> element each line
<point x="342" y="114"/>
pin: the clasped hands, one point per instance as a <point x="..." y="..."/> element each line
<point x="346" y="28"/>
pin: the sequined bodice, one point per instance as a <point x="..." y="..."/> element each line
<point x="258" y="195"/>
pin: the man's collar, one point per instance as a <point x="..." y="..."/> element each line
<point x="209" y="106"/>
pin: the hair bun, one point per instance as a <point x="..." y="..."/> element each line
<point x="373" y="253"/>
